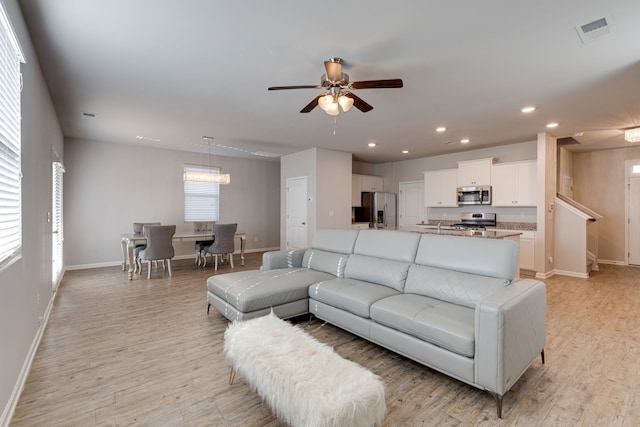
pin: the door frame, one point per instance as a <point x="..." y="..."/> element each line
<point x="628" y="174"/>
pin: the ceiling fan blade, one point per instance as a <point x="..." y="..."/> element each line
<point x="334" y="70"/>
<point x="358" y="102"/>
<point x="377" y="84"/>
<point x="295" y="87"/>
<point x="310" y="106"/>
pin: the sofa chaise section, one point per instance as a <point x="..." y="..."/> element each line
<point x="283" y="282"/>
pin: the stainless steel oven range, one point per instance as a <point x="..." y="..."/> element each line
<point x="476" y="221"/>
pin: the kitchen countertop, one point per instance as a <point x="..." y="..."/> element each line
<point x="487" y="234"/>
<point x="520" y="226"/>
<point x="447" y="230"/>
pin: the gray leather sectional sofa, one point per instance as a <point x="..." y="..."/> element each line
<point x="452" y="303"/>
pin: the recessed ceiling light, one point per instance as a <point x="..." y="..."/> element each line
<point x="552" y="125"/>
<point x="528" y="109"/>
<point x="405" y="151"/>
<point x="465" y="141"/>
<point x="371" y="144"/>
<point x="441" y="129"/>
<point x="147" y="138"/>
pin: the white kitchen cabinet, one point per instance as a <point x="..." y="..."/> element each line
<point x="440" y="188"/>
<point x="514" y="184"/>
<point x="356" y="185"/>
<point x="474" y="172"/>
<point x="526" y="244"/>
<point x="360" y="183"/>
<point x="372" y="183"/>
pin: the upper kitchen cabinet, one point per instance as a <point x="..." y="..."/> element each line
<point x="360" y="183"/>
<point x="474" y="172"/>
<point x="440" y="188"/>
<point x="514" y="184"/>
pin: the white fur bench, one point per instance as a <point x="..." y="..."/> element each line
<point x="303" y="381"/>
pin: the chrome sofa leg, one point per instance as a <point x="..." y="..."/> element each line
<point x="542" y="355"/>
<point x="208" y="307"/>
<point x="498" y="399"/>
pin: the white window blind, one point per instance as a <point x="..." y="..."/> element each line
<point x="10" y="202"/>
<point x="201" y="199"/>
<point x="57" y="224"/>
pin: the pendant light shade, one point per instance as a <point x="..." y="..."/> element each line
<point x="632" y="135"/>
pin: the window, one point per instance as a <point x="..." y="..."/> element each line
<point x="10" y="188"/>
<point x="201" y="199"/>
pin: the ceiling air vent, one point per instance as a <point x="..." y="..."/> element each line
<point x="595" y="29"/>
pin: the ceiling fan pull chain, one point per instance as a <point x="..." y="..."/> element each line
<point x="335" y="123"/>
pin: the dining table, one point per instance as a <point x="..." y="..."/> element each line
<point x="129" y="240"/>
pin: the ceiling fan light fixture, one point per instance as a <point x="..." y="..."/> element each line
<point x="632" y="135"/>
<point x="345" y="102"/>
<point x="326" y="102"/>
<point x="333" y="109"/>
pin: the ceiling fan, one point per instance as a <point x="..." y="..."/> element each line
<point x="338" y="89"/>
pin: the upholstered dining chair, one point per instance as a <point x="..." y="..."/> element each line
<point x="137" y="229"/>
<point x="199" y="245"/>
<point x="223" y="243"/>
<point x="159" y="246"/>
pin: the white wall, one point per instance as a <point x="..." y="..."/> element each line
<point x="107" y="187"/>
<point x="599" y="183"/>
<point x="328" y="175"/>
<point x="25" y="286"/>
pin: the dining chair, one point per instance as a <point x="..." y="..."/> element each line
<point x="159" y="246"/>
<point x="199" y="245"/>
<point x="137" y="229"/>
<point x="223" y="243"/>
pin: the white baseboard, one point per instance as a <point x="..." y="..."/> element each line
<point x="571" y="274"/>
<point x="611" y="261"/>
<point x="10" y="408"/>
<point x="187" y="256"/>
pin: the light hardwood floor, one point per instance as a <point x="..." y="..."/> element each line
<point x="145" y="353"/>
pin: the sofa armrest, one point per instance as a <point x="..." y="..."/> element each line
<point x="510" y="332"/>
<point x="282" y="259"/>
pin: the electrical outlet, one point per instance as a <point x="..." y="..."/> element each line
<point x="550" y="259"/>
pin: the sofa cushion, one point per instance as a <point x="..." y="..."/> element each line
<point x="328" y="262"/>
<point x="451" y="286"/>
<point x="486" y="257"/>
<point x="387" y="244"/>
<point x="380" y="271"/>
<point x="335" y="240"/>
<point x="446" y="325"/>
<point x="256" y="289"/>
<point x="354" y="296"/>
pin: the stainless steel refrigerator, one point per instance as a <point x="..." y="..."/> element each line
<point x="379" y="209"/>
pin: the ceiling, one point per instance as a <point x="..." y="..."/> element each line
<point x="173" y="71"/>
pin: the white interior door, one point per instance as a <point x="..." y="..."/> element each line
<point x="296" y="214"/>
<point x="634" y="220"/>
<point x="410" y="203"/>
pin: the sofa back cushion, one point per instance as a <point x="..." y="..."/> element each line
<point x="328" y="262"/>
<point x="387" y="244"/>
<point x="486" y="257"/>
<point x="451" y="286"/>
<point x="380" y="271"/>
<point x="461" y="270"/>
<point x="335" y="240"/>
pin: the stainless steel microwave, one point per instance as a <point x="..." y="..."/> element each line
<point x="480" y="195"/>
